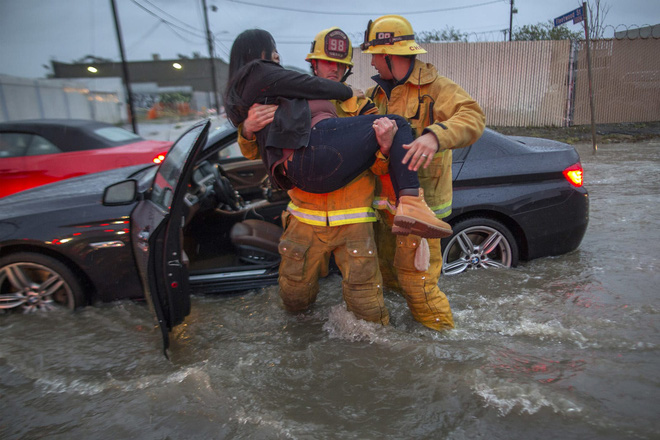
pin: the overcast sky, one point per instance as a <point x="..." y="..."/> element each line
<point x="32" y="32"/>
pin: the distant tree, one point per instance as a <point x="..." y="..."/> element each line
<point x="544" y="31"/>
<point x="596" y="14"/>
<point x="174" y="97"/>
<point x="447" y="34"/>
<point x="49" y="69"/>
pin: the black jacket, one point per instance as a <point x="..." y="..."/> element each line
<point x="266" y="82"/>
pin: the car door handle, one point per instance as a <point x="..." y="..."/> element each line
<point x="143" y="236"/>
<point x="246" y="173"/>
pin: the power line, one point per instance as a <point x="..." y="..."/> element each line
<point x="365" y="13"/>
<point x="220" y="45"/>
<point x="172" y="28"/>
<point x="141" y="39"/>
<point x="169" y="23"/>
<point x="172" y="16"/>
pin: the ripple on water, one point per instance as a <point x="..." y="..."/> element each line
<point x="63" y="384"/>
<point x="506" y="396"/>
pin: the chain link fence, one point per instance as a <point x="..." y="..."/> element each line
<point x="545" y="83"/>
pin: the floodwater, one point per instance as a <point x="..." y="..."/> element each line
<point x="565" y="347"/>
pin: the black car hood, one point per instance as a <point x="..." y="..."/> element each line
<point x="65" y="194"/>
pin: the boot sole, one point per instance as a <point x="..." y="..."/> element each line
<point x="404" y="225"/>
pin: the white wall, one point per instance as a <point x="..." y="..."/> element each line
<point x="22" y="98"/>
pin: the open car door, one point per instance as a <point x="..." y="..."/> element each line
<point x="156" y="230"/>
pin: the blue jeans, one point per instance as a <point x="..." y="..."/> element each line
<point x="340" y="149"/>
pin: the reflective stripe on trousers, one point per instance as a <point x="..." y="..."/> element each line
<point x="332" y="218"/>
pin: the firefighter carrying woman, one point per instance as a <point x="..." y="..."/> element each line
<point x="339" y="222"/>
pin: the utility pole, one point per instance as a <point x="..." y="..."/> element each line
<point x="511" y="12"/>
<point x="209" y="40"/>
<point x="124" y="66"/>
<point x="591" y="91"/>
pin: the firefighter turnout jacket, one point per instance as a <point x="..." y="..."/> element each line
<point x="436" y="104"/>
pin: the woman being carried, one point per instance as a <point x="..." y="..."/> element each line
<point x="325" y="155"/>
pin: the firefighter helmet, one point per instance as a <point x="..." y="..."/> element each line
<point x="391" y="35"/>
<point x="332" y="45"/>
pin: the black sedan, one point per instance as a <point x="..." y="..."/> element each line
<point x="207" y="221"/>
<point x="515" y="198"/>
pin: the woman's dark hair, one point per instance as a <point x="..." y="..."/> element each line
<point x="248" y="46"/>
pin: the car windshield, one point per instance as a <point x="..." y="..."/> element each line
<point x="116" y="134"/>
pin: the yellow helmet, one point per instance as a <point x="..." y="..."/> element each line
<point x="332" y="45"/>
<point x="392" y="35"/>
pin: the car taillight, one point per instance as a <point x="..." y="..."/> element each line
<point x="159" y="158"/>
<point x="574" y="174"/>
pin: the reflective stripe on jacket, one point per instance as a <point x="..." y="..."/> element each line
<point x="432" y="103"/>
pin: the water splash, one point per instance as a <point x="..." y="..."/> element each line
<point x="342" y="324"/>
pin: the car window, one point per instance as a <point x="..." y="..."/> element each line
<point x="39" y="145"/>
<point x="228" y="150"/>
<point x="232" y="151"/>
<point x="13" y="144"/>
<point x="116" y="134"/>
<point x="25" y="144"/>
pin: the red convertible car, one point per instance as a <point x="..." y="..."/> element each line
<point x="37" y="152"/>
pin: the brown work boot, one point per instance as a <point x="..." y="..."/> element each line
<point x="413" y="216"/>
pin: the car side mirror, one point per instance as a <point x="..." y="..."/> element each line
<point x="121" y="193"/>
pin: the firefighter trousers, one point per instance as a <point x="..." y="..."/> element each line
<point x="306" y="249"/>
<point x="427" y="303"/>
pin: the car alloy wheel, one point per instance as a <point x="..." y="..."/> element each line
<point x="478" y="243"/>
<point x="33" y="282"/>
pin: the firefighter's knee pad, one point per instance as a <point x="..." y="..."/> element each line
<point x="366" y="302"/>
<point x="297" y="296"/>
<point x="298" y="280"/>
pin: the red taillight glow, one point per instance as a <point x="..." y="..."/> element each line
<point x="574" y="174"/>
<point x="159" y="158"/>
